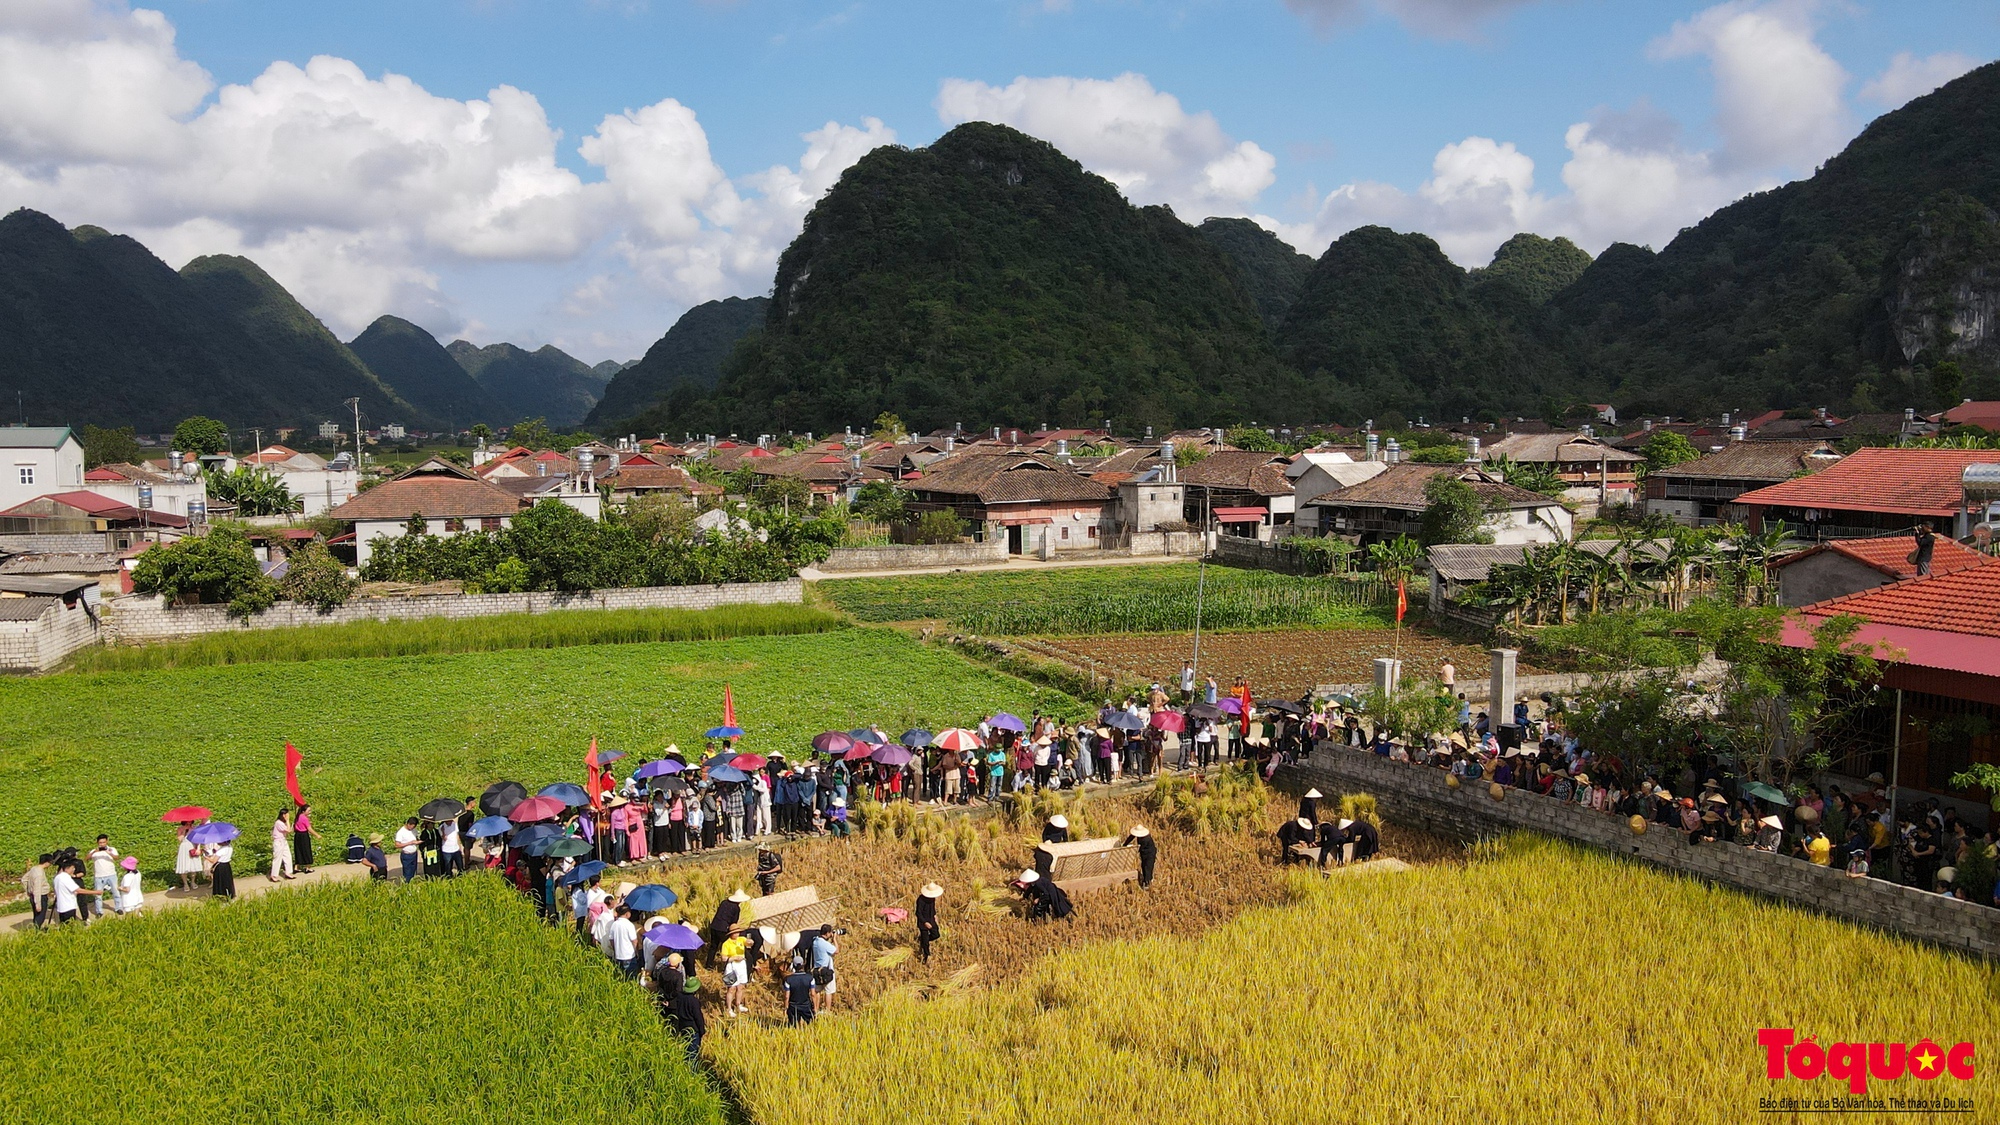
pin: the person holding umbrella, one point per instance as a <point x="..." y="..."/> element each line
<point x="187" y="858"/>
<point x="927" y="923"/>
<point x="222" y="873"/>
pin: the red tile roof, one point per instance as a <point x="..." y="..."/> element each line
<point x="435" y="490"/>
<point x="1985" y="415"/>
<point x="1916" y="482"/>
<point x="1948" y="621"/>
<point x="1891" y="554"/>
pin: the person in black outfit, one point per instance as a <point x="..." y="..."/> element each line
<point x="798" y="994"/>
<point x="770" y="865"/>
<point x="1926" y="543"/>
<point x="728" y="913"/>
<point x="1332" y="839"/>
<point x="1045" y="899"/>
<point x="1309" y="805"/>
<point x="1056" y="831"/>
<point x="684" y="1016"/>
<point x="1366" y="840"/>
<point x="927" y="923"/>
<point x="1149" y="853"/>
<point x="1293" y="833"/>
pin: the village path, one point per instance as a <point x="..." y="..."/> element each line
<point x="249" y="884"/>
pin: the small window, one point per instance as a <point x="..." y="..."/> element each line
<point x="27" y="474"/>
<point x="454" y="524"/>
<point x="489" y="523"/>
<point x="1065" y="533"/>
<point x="1093" y="532"/>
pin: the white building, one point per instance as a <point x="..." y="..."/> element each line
<point x="320" y="485"/>
<point x="38" y="460"/>
<point x="1316" y="473"/>
<point x="151" y="489"/>
<point x="328" y="431"/>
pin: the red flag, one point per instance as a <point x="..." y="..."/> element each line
<point x="1402" y="601"/>
<point x="1243" y="697"/>
<point x="292" y="759"/>
<point x="728" y="707"/>
<point x="590" y="762"/>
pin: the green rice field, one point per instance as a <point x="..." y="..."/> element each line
<point x="343" y="1003"/>
<point x="1114" y="599"/>
<point x="109" y="751"/>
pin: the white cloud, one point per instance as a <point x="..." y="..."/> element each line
<point x="1778" y="96"/>
<point x="1128" y="132"/>
<point x="1908" y="76"/>
<point x="1448" y="18"/>
<point x="359" y="194"/>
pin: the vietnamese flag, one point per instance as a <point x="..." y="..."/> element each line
<point x="1244" y="698"/>
<point x="590" y="763"/>
<point x="728" y="707"/>
<point x="1402" y="601"/>
<point x="292" y="760"/>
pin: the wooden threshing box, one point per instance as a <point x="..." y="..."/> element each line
<point x="1086" y="865"/>
<point x="790" y="912"/>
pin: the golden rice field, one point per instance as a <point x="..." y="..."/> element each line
<point x="1542" y="983"/>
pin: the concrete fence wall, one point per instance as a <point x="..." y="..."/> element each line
<point x="1419" y="796"/>
<point x="41" y="644"/>
<point x="916" y="556"/>
<point x="137" y="619"/>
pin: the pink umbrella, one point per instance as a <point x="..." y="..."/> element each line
<point x="958" y="738"/>
<point x="858" y="752"/>
<point x="537" y="808"/>
<point x="1169" y="720"/>
<point x="833" y="742"/>
<point x="748" y="762"/>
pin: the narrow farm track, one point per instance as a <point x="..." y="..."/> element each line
<point x="249" y="884"/>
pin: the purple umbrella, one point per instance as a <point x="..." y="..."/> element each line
<point x="220" y="832"/>
<point x="1232" y="705"/>
<point x="833" y="742"/>
<point x="673" y="935"/>
<point x="660" y="768"/>
<point x="1005" y="721"/>
<point x="891" y="755"/>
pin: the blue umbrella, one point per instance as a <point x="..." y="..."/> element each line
<point x="726" y="773"/>
<point x="1005" y="721"/>
<point x="547" y="845"/>
<point x="583" y="873"/>
<point x="1125" y="720"/>
<point x="650" y="898"/>
<point x="568" y="793"/>
<point x="659" y="768"/>
<point x="723" y="732"/>
<point x="674" y="935"/>
<point x="523" y="837"/>
<point x="217" y="833"/>
<point x="491" y="826"/>
<point x="916" y="738"/>
<point x="868" y="736"/>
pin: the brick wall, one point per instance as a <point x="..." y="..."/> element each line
<point x="136" y="619"/>
<point x="915" y="556"/>
<point x="53" y="544"/>
<point x="41" y="644"/>
<point x="1418" y="796"/>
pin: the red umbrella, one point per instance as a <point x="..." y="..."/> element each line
<point x="537" y="808"/>
<point x="186" y="814"/>
<point x="958" y="738"/>
<point x="1169" y="720"/>
<point x="858" y="752"/>
<point x="748" y="762"/>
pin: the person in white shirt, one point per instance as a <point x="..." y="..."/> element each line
<point x="625" y="942"/>
<point x="1187" y="681"/>
<point x="407" y="842"/>
<point x="281" y="846"/>
<point x="104" y="872"/>
<point x="131" y="895"/>
<point x="67" y="891"/>
<point x="452" y="851"/>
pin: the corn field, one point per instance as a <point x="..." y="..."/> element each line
<point x="343" y="1003"/>
<point x="1544" y="984"/>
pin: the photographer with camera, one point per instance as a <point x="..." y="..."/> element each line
<point x="825" y="980"/>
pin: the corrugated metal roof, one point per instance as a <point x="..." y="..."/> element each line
<point x="25" y="609"/>
<point x="33" y="437"/>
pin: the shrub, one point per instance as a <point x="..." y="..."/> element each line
<point x="317" y="579"/>
<point x="939" y="527"/>
<point x="213" y="569"/>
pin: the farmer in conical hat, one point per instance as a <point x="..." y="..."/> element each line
<point x="1149" y="853"/>
<point x="1056" y="831"/>
<point x="927" y="923"/>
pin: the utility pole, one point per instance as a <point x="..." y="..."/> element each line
<point x="355" y="405"/>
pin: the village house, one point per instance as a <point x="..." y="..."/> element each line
<point x="1597" y="474"/>
<point x="448" y="499"/>
<point x="1391" y="504"/>
<point x="1317" y="472"/>
<point x="1873" y="491"/>
<point x="154" y="489"/>
<point x="319" y="485"/>
<point x="1039" y="507"/>
<point x="1703" y="492"/>
<point x="38" y="460"/>
<point x="1245" y="493"/>
<point x="1841" y="567"/>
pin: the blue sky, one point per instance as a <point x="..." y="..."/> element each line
<point x="658" y="153"/>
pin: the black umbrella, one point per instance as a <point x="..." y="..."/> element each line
<point x="1207" y="711"/>
<point x="669" y="785"/>
<point x="501" y="797"/>
<point x="444" y="808"/>
<point x="1284" y="705"/>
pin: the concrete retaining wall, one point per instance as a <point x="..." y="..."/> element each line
<point x="916" y="556"/>
<point x="1418" y="796"/>
<point x="137" y="619"/>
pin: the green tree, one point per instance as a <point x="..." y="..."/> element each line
<point x="253" y="491"/>
<point x="888" y="427"/>
<point x="212" y="569"/>
<point x="314" y="577"/>
<point x="784" y="494"/>
<point x="560" y="546"/>
<point x="879" y="500"/>
<point x="103" y="446"/>
<point x="201" y="435"/>
<point x="1253" y="439"/>
<point x="1188" y="456"/>
<point x="1398" y="558"/>
<point x="1454" y="513"/>
<point x="1946" y="379"/>
<point x="534" y="433"/>
<point x="939" y="527"/>
<point x="1534" y="477"/>
<point x="480" y="432"/>
<point x="1665" y="449"/>
<point x="1413" y="711"/>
